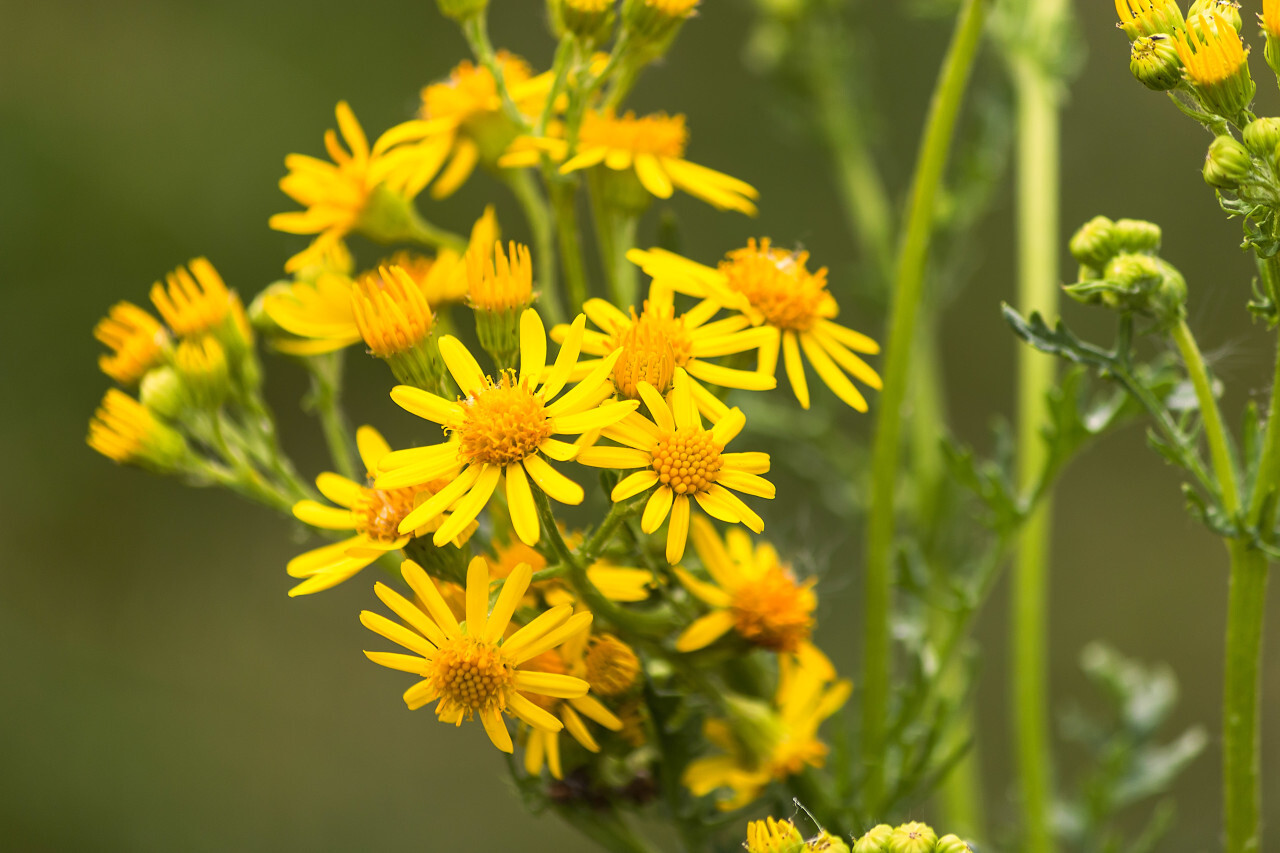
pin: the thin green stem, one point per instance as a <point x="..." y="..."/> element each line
<point x="542" y="227"/>
<point x="476" y="31"/>
<point x="1215" y="433"/>
<point x="1241" y="733"/>
<point x="565" y="55"/>
<point x="1268" y="476"/>
<point x="939" y="130"/>
<point x="1038" y="193"/>
<point x="564" y="195"/>
<point x="326" y="398"/>
<point x="419" y="230"/>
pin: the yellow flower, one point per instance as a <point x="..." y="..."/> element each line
<point x="124" y="431"/>
<point x="768" y="743"/>
<point x="462" y="121"/>
<point x="773" y="836"/>
<point x="197" y="302"/>
<point x="502" y="429"/>
<point x="497" y="280"/>
<point x="137" y="340"/>
<point x="752" y="593"/>
<point x="391" y="312"/>
<point x="657" y="341"/>
<point x="1140" y="18"/>
<point x="1271" y="18"/>
<point x="774" y="288"/>
<point x="682" y="460"/>
<point x="202" y="364"/>
<point x="653" y="147"/>
<point x="1210" y="49"/>
<point x="374" y="514"/>
<point x="469" y="667"/>
<point x="337" y="194"/>
<point x="543" y="747"/>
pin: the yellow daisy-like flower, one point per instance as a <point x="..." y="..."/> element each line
<point x="763" y="744"/>
<point x="658" y="340"/>
<point x="391" y="312"/>
<point x="775" y="289"/>
<point x="337" y="194"/>
<point x="1210" y="49"/>
<point x="321" y="313"/>
<point x="502" y="429"/>
<point x="125" y="431"/>
<point x="497" y="280"/>
<point x="374" y="514"/>
<point x="543" y="747"/>
<point x="682" y="460"/>
<point x="137" y="340"/>
<point x="469" y="667"/>
<point x="462" y="121"/>
<point x="196" y="301"/>
<point x="752" y="593"/>
<point x="653" y="147"/>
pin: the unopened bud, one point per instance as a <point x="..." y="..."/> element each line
<point x="162" y="392"/>
<point x="1261" y="136"/>
<point x="201" y="363"/>
<point x="652" y="24"/>
<point x="1136" y="235"/>
<point x="875" y="841"/>
<point x="953" y="844"/>
<point x="1228" y="9"/>
<point x="1154" y="61"/>
<point x="1226" y="164"/>
<point x="461" y="10"/>
<point x="590" y="21"/>
<point x="1148" y="17"/>
<point x="912" y="837"/>
<point x="825" y="842"/>
<point x="1094" y="243"/>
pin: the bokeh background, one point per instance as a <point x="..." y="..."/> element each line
<point x="159" y="691"/>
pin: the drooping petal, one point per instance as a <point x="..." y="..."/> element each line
<point x="468" y="507"/>
<point x="655" y="511"/>
<point x="551" y="481"/>
<point x="496" y="728"/>
<point x="831" y="374"/>
<point x="523" y="510"/>
<point x="678" y="529"/>
<point x="633" y="485"/>
<point x="551" y="684"/>
<point x="705" y="631"/>
<point x="513" y="590"/>
<point x="532" y="714"/>
<point x="795" y="368"/>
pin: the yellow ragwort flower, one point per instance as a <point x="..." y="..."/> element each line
<point x="1210" y="50"/>
<point x="196" y="302"/>
<point x="462" y="121"/>
<point x="761" y="744"/>
<point x="658" y="340"/>
<point x="137" y="340"/>
<point x="391" y="311"/>
<point x="774" y="288"/>
<point x="773" y="836"/>
<point x="653" y="147"/>
<point x="682" y="460"/>
<point x="502" y="428"/>
<point x="469" y="667"/>
<point x="751" y="592"/>
<point x="373" y="514"/>
<point x="125" y="431"/>
<point x="499" y="281"/>
<point x="1140" y="18"/>
<point x="1271" y="18"/>
<point x="202" y="364"/>
<point x="543" y="747"/>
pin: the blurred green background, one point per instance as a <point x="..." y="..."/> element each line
<point x="161" y="692"/>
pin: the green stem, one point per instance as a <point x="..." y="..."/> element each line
<point x="565" y="52"/>
<point x="421" y="231"/>
<point x="476" y="31"/>
<point x="326" y="396"/>
<point x="1269" y="464"/>
<point x="939" y="130"/>
<point x="1215" y="434"/>
<point x="1241" y="734"/>
<point x="541" y="226"/>
<point x="604" y="828"/>
<point x="564" y="195"/>
<point x="1038" y="180"/>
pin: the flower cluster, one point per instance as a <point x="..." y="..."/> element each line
<point x="782" y="836"/>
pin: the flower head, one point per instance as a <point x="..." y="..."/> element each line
<point x="194" y="300"/>
<point x="499" y="281"/>
<point x="682" y="461"/>
<point x="773" y="836"/>
<point x="775" y="289"/>
<point x="751" y="592"/>
<point x="391" y="311"/>
<point x="136" y="339"/>
<point x="763" y="743"/>
<point x="1271" y="18"/>
<point x="372" y="514"/>
<point x="501" y="429"/>
<point x="1216" y="63"/>
<point x="1148" y="17"/>
<point x="657" y="340"/>
<point x="472" y="668"/>
<point x="202" y="364"/>
<point x="125" y="431"/>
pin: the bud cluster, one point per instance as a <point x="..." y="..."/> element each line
<point x="1119" y="268"/>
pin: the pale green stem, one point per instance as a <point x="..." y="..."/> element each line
<point x="939" y="130"/>
<point x="1214" y="432"/>
<point x="476" y="31"/>
<point x="1241" y="732"/>
<point x="326" y="396"/>
<point x="564" y="195"/>
<point x="1037" y="216"/>
<point x="541" y="226"/>
<point x="421" y="231"/>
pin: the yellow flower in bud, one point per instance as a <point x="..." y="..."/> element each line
<point x="589" y="20"/>
<point x="500" y="281"/>
<point x="752" y="593"/>
<point x="202" y="365"/>
<point x="760" y="743"/>
<point x="462" y="122"/>
<point x="373" y="514"/>
<point x="652" y="24"/>
<point x="611" y="665"/>
<point x="616" y="583"/>
<point x="473" y="668"/>
<point x="501" y="428"/>
<point x="682" y="462"/>
<point x="137" y="341"/>
<point x="775" y="289"/>
<point x="1216" y="63"/>
<point x="1148" y="17"/>
<point x="391" y="311"/>
<point x="657" y="340"/>
<point x="125" y="431"/>
<point x="1271" y="18"/>
<point x="914" y="837"/>
<point x="195" y="302"/>
<point x="543" y="747"/>
<point x="875" y="840"/>
<point x="773" y="836"/>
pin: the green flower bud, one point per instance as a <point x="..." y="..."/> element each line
<point x="827" y="843"/>
<point x="162" y="392"/>
<point x="1228" y="9"/>
<point x="461" y="10"/>
<point x="653" y="24"/>
<point x="1226" y="164"/>
<point x="1154" y="61"/>
<point x="875" y="841"/>
<point x="914" y="837"/>
<point x="1094" y="243"/>
<point x="1136" y="235"/>
<point x="953" y="844"/>
<point x="201" y="364"/>
<point x="1261" y="136"/>
<point x="589" y="20"/>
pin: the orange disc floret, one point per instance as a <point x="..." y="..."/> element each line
<point x="779" y="285"/>
<point x="502" y="424"/>
<point x="687" y="460"/>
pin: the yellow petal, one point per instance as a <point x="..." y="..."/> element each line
<point x="524" y="512"/>
<point x="513" y="590"/>
<point x="533" y="346"/>
<point x="705" y="631"/>
<point x="795" y="368"/>
<point x="426" y="405"/>
<point x="633" y="485"/>
<point x="339" y="489"/>
<point x="830" y="373"/>
<point x="469" y="506"/>
<point x="652" y="176"/>
<point x="709" y="593"/>
<point x="425" y="588"/>
<point x="496" y="728"/>
<point x="372" y="447"/>
<point x="326" y="517"/>
<point x="462" y="365"/>
<point x="532" y="714"/>
<point x="678" y="529"/>
<point x="396" y="633"/>
<point x="410" y="613"/>
<point x="551" y="684"/>
<point x="614" y="457"/>
<point x="655" y="511"/>
<point x="551" y="481"/>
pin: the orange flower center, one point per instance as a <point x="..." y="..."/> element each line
<point x="658" y="134"/>
<point x="379" y="512"/>
<point x="471" y="674"/>
<point x="687" y="460"/>
<point x="778" y="285"/>
<point x="653" y="345"/>
<point x="503" y="424"/>
<point x="773" y="611"/>
<point x="612" y="667"/>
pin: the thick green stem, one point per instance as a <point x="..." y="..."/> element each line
<point x="541" y="226"/>
<point x="939" y="130"/>
<point x="564" y="195"/>
<point x="1038" y="178"/>
<point x="1241" y="734"/>
<point x="1215" y="433"/>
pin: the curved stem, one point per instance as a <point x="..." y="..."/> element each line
<point x="939" y="131"/>
<point x="1215" y="434"/>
